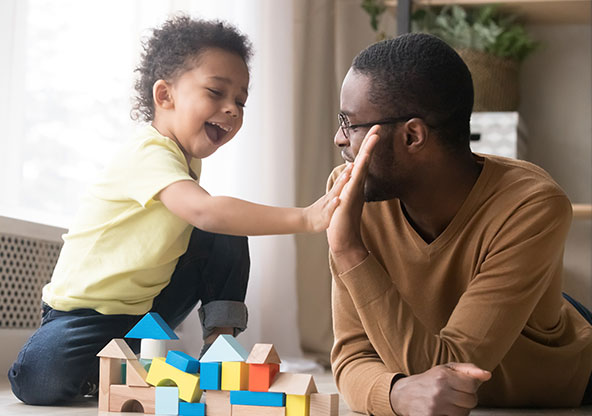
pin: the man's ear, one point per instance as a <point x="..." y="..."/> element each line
<point x="416" y="134"/>
<point x="162" y="95"/>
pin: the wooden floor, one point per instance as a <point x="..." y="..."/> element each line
<point x="9" y="406"/>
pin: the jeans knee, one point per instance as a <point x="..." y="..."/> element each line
<point x="38" y="386"/>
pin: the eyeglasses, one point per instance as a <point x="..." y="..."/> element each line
<point x="346" y="126"/>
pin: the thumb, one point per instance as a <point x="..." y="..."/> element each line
<point x="470" y="370"/>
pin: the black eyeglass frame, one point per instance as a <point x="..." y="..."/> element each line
<point x="345" y="125"/>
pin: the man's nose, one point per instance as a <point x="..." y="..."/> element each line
<point x="340" y="140"/>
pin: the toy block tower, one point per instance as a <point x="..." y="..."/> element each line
<point x="298" y="388"/>
<point x="227" y="358"/>
<point x="153" y="331"/>
<point x="113" y="396"/>
<point x="264" y="364"/>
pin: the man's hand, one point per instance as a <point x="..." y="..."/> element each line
<point x="448" y="389"/>
<point x="344" y="234"/>
<point x="317" y="216"/>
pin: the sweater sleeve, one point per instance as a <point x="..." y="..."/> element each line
<point x="374" y="325"/>
<point x="360" y="374"/>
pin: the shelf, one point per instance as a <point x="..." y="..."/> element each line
<point x="582" y="211"/>
<point x="529" y="11"/>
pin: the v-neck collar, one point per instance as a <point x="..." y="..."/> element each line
<point x="459" y="220"/>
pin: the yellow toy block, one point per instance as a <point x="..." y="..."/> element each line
<point x="297" y="405"/>
<point x="235" y="375"/>
<point x="162" y="374"/>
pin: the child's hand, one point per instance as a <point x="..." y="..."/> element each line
<point x="318" y="215"/>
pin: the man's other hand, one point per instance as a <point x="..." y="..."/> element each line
<point x="448" y="389"/>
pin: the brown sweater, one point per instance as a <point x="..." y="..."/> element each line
<point x="486" y="291"/>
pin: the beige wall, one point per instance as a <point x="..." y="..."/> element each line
<point x="556" y="90"/>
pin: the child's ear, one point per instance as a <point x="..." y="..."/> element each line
<point x="162" y="95"/>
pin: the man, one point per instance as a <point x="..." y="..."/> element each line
<point x="447" y="282"/>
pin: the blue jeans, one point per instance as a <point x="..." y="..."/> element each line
<point x="588" y="316"/>
<point x="59" y="361"/>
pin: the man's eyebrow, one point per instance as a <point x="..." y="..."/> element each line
<point x="227" y="81"/>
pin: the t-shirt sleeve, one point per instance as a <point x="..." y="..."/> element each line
<point x="147" y="168"/>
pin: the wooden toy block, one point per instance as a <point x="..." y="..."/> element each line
<point x="210" y="376"/>
<point x="297" y="405"/>
<point x="262" y="375"/>
<point x="235" y="375"/>
<point x="324" y="404"/>
<point x="132" y="399"/>
<point x="218" y="403"/>
<point x="152" y="326"/>
<point x="263" y="354"/>
<point x="167" y="400"/>
<point x="109" y="373"/>
<point x="151" y="348"/>
<point x="242" y="410"/>
<point x="162" y="373"/>
<point x="117" y="348"/>
<point x="255" y="398"/>
<point x="192" y="409"/>
<point x="225" y="348"/>
<point x="182" y="361"/>
<point x="135" y="374"/>
<point x="295" y="384"/>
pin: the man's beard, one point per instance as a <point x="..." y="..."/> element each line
<point x="378" y="190"/>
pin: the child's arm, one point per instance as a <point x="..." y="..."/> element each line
<point x="226" y="215"/>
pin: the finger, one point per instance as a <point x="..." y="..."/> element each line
<point x="341" y="181"/>
<point x="369" y="142"/>
<point x="470" y="370"/>
<point x="362" y="161"/>
<point x="464" y="400"/>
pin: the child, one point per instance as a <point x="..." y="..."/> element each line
<point x="133" y="247"/>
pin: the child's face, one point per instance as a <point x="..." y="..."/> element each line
<point x="207" y="103"/>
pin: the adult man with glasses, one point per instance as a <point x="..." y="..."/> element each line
<point x="447" y="283"/>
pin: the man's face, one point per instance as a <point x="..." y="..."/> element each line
<point x="356" y="107"/>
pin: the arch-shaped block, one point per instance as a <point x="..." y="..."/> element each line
<point x="124" y="398"/>
<point x="160" y="373"/>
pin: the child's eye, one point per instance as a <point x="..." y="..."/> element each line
<point x="215" y="92"/>
<point x="240" y="104"/>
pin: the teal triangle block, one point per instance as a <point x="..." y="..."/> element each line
<point x="225" y="348"/>
<point x="152" y="326"/>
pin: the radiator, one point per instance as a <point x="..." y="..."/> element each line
<point x="28" y="254"/>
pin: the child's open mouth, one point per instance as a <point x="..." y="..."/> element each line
<point x="216" y="131"/>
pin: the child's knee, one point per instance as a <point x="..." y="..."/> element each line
<point x="40" y="382"/>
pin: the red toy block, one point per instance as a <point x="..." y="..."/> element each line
<point x="261" y="376"/>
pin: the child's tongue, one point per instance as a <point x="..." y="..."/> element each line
<point x="213" y="132"/>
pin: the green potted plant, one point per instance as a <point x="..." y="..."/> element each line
<point x="492" y="45"/>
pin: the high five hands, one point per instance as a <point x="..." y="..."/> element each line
<point x="344" y="234"/>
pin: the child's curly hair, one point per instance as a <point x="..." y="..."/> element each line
<point x="172" y="50"/>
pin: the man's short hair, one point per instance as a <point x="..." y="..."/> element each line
<point x="418" y="74"/>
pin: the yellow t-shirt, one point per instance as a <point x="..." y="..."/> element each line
<point x="124" y="245"/>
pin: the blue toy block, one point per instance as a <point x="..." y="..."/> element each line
<point x="192" y="409"/>
<point x="257" y="398"/>
<point x="152" y="326"/>
<point x="167" y="400"/>
<point x="210" y="376"/>
<point x="225" y="348"/>
<point x="182" y="361"/>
